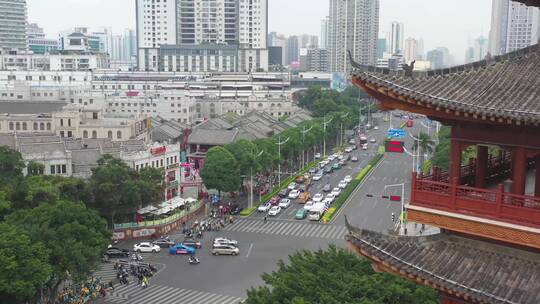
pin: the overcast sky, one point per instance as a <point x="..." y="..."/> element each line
<point x="439" y="22"/>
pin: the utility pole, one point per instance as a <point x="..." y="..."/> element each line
<point x="324" y="137"/>
<point x="251" y="180"/>
<point x="341" y="129"/>
<point x="304" y="132"/>
<point x="279" y="143"/>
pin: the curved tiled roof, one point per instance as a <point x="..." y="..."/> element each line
<point x="530" y="2"/>
<point x="504" y="88"/>
<point x="478" y="270"/>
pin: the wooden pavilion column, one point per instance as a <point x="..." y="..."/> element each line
<point x="537" y="177"/>
<point x="519" y="170"/>
<point x="481" y="166"/>
<point x="455" y="160"/>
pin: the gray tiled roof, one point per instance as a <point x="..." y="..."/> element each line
<point x="48" y="148"/>
<point x="502" y="88"/>
<point x="530" y="2"/>
<point x="486" y="272"/>
<point x="212" y="137"/>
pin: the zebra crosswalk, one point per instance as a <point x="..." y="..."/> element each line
<point x="289" y="228"/>
<point x="135" y="294"/>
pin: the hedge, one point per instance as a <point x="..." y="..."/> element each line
<point x="284" y="183"/>
<point x="344" y="196"/>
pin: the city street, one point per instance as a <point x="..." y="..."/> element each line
<point x="225" y="279"/>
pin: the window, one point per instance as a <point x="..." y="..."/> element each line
<point x="11" y="125"/>
<point x="95" y="115"/>
<point x="69" y="122"/>
<point x="35" y="126"/>
<point x="119" y="135"/>
<point x="162" y="162"/>
<point x="70" y="134"/>
<point x="85" y="134"/>
<point x="94" y="134"/>
<point x="42" y="126"/>
<point x="64" y="169"/>
<point x="62" y="134"/>
<point x="53" y="170"/>
<point x="18" y="126"/>
<point x="61" y="122"/>
<point x="48" y="126"/>
<point x="109" y="134"/>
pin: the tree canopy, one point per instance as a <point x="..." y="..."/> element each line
<point x="220" y="171"/>
<point x="335" y="276"/>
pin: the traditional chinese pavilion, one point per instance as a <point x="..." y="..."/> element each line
<point x="489" y="209"/>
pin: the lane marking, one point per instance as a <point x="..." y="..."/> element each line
<point x="249" y="250"/>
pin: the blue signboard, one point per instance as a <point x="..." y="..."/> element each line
<point x="396" y="133"/>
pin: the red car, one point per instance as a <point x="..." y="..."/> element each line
<point x="274" y="201"/>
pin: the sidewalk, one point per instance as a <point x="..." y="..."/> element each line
<point x="416" y="229"/>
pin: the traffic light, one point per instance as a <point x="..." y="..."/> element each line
<point x="393" y="217"/>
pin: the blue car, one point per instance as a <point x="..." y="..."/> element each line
<point x="181" y="249"/>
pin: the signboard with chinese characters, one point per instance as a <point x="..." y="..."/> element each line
<point x="394" y="146"/>
<point x="158" y="150"/>
<point x="396" y="133"/>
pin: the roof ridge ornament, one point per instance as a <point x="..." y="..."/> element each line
<point x="354" y="63"/>
<point x="408" y="68"/>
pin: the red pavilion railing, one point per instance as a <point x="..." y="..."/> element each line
<point x="485" y="203"/>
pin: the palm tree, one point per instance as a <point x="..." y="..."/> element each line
<point x="425" y="145"/>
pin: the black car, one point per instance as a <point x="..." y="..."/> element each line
<point x="113" y="252"/>
<point x="283" y="193"/>
<point x="192" y="243"/>
<point x="163" y="243"/>
<point x="235" y="209"/>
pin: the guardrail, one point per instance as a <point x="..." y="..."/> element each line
<point x="165" y="221"/>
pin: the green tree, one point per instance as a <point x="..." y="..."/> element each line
<point x="150" y="185"/>
<point x="35" y="168"/>
<point x="114" y="189"/>
<point x="335" y="276"/>
<point x="424" y="145"/>
<point x="73" y="235"/>
<point x="441" y="157"/>
<point x="220" y="170"/>
<point x="5" y="205"/>
<point x="11" y="169"/>
<point x="243" y="151"/>
<point x="24" y="266"/>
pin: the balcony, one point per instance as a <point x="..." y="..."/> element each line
<point x="490" y="204"/>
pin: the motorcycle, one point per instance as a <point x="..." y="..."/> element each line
<point x="193" y="260"/>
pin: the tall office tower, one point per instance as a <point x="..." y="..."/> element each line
<point x="13" y="24"/>
<point x="293" y="48"/>
<point x="131" y="43"/>
<point x="480" y="48"/>
<point x="420" y="53"/>
<point x="156" y="25"/>
<point x="353" y="26"/>
<point x="513" y="26"/>
<point x="395" y="40"/>
<point x="439" y="58"/>
<point x="308" y="41"/>
<point x="381" y="47"/>
<point x="411" y="49"/>
<point x="323" y="39"/>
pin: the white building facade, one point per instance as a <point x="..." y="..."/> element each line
<point x="513" y="26"/>
<point x="353" y="25"/>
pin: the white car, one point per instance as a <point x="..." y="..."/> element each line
<point x="224" y="241"/>
<point x="336" y="191"/>
<point x="342" y="184"/>
<point x="308" y="205"/>
<point x="317" y="176"/>
<point x="340" y="157"/>
<point x="347" y="179"/>
<point x="146" y="247"/>
<point x="364" y="147"/>
<point x="318" y="197"/>
<point x="376" y="128"/>
<point x="274" y="211"/>
<point x="332" y="157"/>
<point x="331" y="197"/>
<point x="285" y="203"/>
<point x="294" y="194"/>
<point x="317" y="155"/>
<point x="373" y="140"/>
<point x="264" y="207"/>
<point x="292" y="186"/>
<point x="348" y="149"/>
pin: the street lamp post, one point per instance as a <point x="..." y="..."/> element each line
<point x="279" y="143"/>
<point x="304" y="132"/>
<point x="341" y="129"/>
<point x="402" y="185"/>
<point x="324" y="136"/>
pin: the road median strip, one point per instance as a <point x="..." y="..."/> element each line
<point x="327" y="217"/>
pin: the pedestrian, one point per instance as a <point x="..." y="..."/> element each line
<point x="264" y="218"/>
<point x="145" y="282"/>
<point x="111" y="285"/>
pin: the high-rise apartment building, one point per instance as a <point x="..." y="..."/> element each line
<point x="293" y="49"/>
<point x="411" y="49"/>
<point x="395" y="38"/>
<point x="353" y="26"/>
<point x="513" y="26"/>
<point x="323" y="39"/>
<point x="13" y="24"/>
<point x="192" y="25"/>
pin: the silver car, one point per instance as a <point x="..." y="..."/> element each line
<point x="225" y="249"/>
